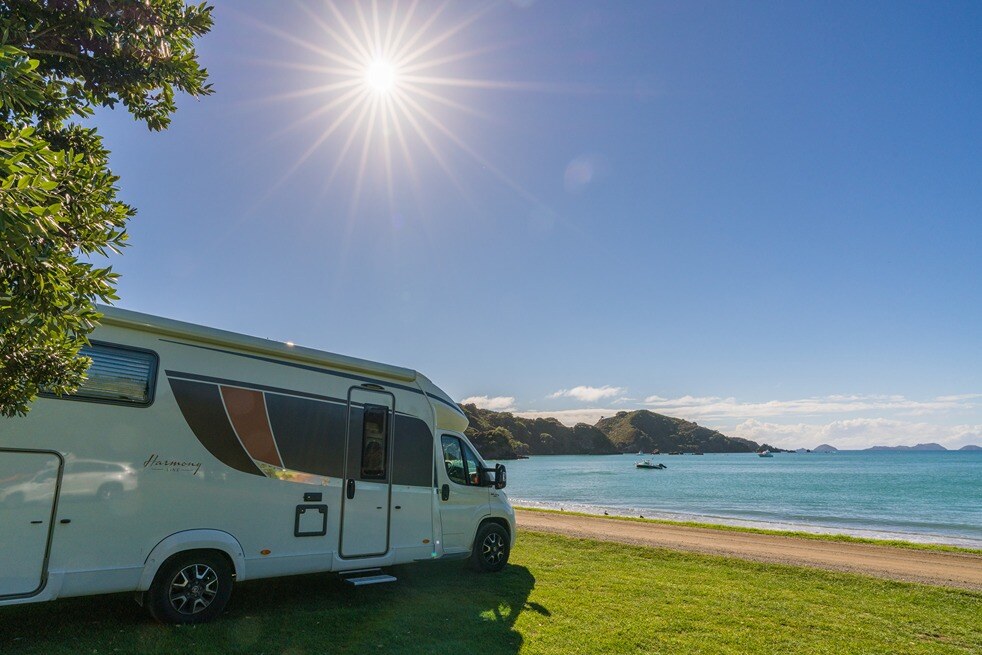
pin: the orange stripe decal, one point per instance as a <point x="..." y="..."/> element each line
<point x="247" y="410"/>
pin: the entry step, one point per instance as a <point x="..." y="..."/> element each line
<point x="366" y="576"/>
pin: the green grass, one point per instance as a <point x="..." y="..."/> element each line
<point x="893" y="543"/>
<point x="557" y="596"/>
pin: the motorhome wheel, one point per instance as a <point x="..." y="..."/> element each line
<point x="491" y="548"/>
<point x="191" y="587"/>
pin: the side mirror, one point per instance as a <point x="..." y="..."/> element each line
<point x="500" y="476"/>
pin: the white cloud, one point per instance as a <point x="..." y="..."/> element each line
<point x="959" y="397"/>
<point x="716" y="407"/>
<point x="589" y="394"/>
<point x="694" y="401"/>
<point x="496" y="403"/>
<point x="857" y="433"/>
<point x="572" y="416"/>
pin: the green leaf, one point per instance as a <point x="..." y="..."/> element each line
<point x="58" y="197"/>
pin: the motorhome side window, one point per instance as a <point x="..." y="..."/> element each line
<point x="118" y="375"/>
<point x="453" y="459"/>
<point x="463" y="466"/>
<point x="373" y="438"/>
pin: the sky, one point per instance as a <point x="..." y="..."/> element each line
<point x="763" y="217"/>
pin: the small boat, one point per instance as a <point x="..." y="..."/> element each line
<point x="646" y="464"/>
<point x="765" y="453"/>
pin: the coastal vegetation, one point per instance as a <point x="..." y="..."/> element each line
<point x="503" y="435"/>
<point x="558" y="595"/>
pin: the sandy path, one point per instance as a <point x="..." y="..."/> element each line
<point x="930" y="567"/>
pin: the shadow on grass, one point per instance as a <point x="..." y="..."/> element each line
<point x="437" y="607"/>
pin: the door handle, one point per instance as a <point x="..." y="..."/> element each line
<point x="445" y="492"/>
<point x="351" y="488"/>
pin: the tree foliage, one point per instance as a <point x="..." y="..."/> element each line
<point x="59" y="210"/>
<point x="502" y="435"/>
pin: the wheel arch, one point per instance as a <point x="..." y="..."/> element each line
<point x="493" y="519"/>
<point x="187" y="540"/>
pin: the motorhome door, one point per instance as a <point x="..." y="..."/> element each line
<point x="29" y="483"/>
<point x="368" y="474"/>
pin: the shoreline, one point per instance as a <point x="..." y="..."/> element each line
<point x="780" y="528"/>
<point x="961" y="570"/>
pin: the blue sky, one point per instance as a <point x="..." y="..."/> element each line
<point x="764" y="217"/>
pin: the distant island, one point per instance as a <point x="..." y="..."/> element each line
<point x="923" y="446"/>
<point x="826" y="448"/>
<point x="920" y="446"/>
<point x="502" y="435"/>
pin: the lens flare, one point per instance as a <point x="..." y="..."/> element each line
<point x="384" y="74"/>
<point x="381" y="76"/>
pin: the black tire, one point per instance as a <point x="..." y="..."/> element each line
<point x="492" y="545"/>
<point x="191" y="587"/>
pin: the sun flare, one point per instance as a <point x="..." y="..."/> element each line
<point x="387" y="92"/>
<point x="380" y="76"/>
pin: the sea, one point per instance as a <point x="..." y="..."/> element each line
<point x="923" y="496"/>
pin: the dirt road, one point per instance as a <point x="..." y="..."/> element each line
<point x="930" y="567"/>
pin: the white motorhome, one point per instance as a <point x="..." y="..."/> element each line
<point x="193" y="457"/>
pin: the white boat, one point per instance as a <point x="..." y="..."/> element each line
<point x="765" y="453"/>
<point x="646" y="464"/>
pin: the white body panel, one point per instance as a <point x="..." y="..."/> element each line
<point x="28" y="490"/>
<point x="463" y="507"/>
<point x="139" y="484"/>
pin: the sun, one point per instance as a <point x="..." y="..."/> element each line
<point x="380" y="76"/>
<point x="383" y="73"/>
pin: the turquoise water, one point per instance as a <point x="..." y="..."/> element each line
<point x="918" y="496"/>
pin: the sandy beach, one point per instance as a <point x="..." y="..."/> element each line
<point x="960" y="570"/>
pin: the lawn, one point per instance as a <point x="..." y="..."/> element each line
<point x="558" y="595"/>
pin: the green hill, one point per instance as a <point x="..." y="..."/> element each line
<point x="502" y="435"/>
<point x="647" y="431"/>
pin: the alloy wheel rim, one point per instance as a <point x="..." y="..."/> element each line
<point x="193" y="589"/>
<point x="493" y="548"/>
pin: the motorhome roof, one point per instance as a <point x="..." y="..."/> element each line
<point x="159" y="325"/>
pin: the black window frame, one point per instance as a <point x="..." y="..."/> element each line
<point x="151" y="383"/>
